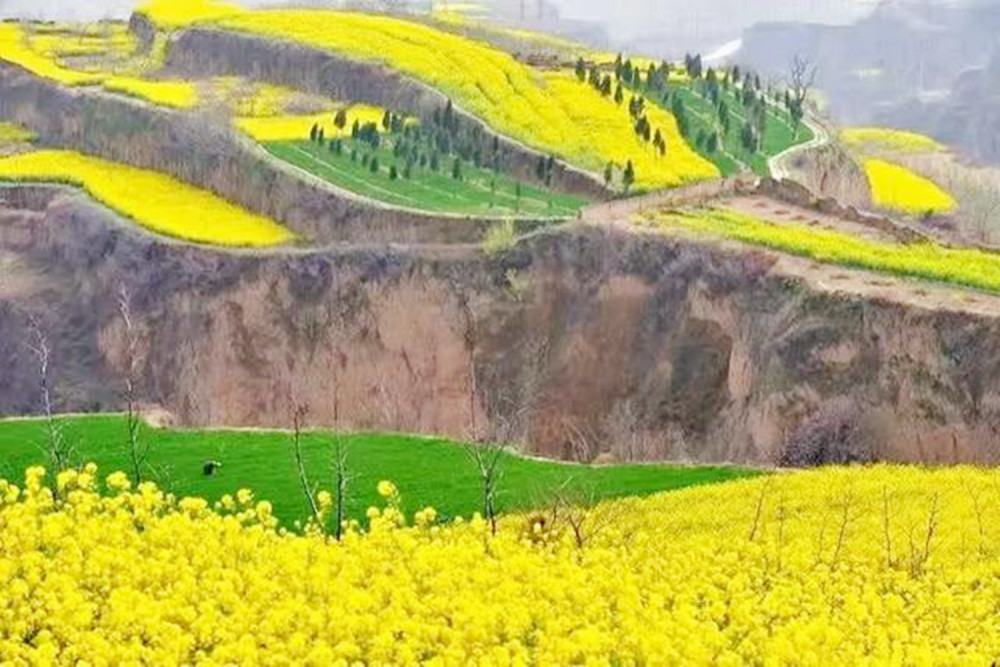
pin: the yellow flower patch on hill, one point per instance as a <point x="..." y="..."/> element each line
<point x="14" y="134"/>
<point x="297" y="127"/>
<point x="166" y="92"/>
<point x="153" y="200"/>
<point x="889" y="139"/>
<point x="895" y="187"/>
<point x="548" y="111"/>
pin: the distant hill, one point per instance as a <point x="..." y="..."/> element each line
<point x="904" y="65"/>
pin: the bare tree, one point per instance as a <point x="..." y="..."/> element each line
<point x="341" y="471"/>
<point x="56" y="448"/>
<point x="488" y="459"/>
<point x="341" y="479"/>
<point x="471" y="343"/>
<point x="299" y="413"/>
<point x="801" y="78"/>
<point x="138" y="449"/>
<point x="577" y="507"/>
<point x="980" y="206"/>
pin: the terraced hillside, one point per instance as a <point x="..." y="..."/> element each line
<point x="380" y="183"/>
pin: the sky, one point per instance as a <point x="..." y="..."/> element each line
<point x="708" y="16"/>
<point x="631" y="13"/>
<point x="709" y="22"/>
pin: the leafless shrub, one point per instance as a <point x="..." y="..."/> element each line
<point x="488" y="459"/>
<point x="138" y="449"/>
<point x="299" y="413"/>
<point x="838" y="433"/>
<point x="57" y="449"/>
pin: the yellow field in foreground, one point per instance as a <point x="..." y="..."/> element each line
<point x="153" y="200"/>
<point x="895" y="187"/>
<point x="295" y="127"/>
<point x="553" y="113"/>
<point x="842" y="566"/>
<point x="889" y="139"/>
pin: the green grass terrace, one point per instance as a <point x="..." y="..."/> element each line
<point x="428" y="471"/>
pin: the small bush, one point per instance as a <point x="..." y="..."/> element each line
<point x="838" y="433"/>
<point x="501" y="238"/>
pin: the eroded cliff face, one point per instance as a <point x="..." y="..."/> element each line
<point x="584" y="341"/>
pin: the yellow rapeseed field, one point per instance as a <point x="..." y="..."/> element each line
<point x="551" y="112"/>
<point x="895" y="187"/>
<point x="14" y="48"/>
<point x="153" y="200"/>
<point x="882" y="138"/>
<point x="971" y="268"/>
<point x="170" y="92"/>
<point x="292" y="127"/>
<point x="12" y="134"/>
<point x="108" y="38"/>
<point x="180" y="13"/>
<point x="841" y="566"/>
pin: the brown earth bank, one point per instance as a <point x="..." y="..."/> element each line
<point x="201" y="149"/>
<point x="584" y="341"/>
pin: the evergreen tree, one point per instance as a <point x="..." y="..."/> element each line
<point x="340" y="120"/>
<point x="355" y="129"/>
<point x="581" y="70"/>
<point x="456" y="169"/>
<point x="319" y="137"/>
<point x="540" y="169"/>
<point x="448" y="118"/>
<point x="619" y="94"/>
<point x="619" y="67"/>
<point x="435" y="162"/>
<point x="608" y="174"/>
<point x="712" y="145"/>
<point x="393" y="173"/>
<point x="387" y="120"/>
<point x="628" y="178"/>
<point x="606" y="86"/>
<point x="373" y="165"/>
<point x="314" y="132"/>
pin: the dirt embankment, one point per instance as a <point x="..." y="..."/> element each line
<point x="203" y="150"/>
<point x="585" y="340"/>
<point x="199" y="52"/>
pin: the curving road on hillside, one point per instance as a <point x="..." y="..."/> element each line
<point x="780" y="164"/>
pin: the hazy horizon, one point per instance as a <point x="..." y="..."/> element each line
<point x="624" y="20"/>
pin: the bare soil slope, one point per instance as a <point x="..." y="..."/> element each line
<point x="588" y="340"/>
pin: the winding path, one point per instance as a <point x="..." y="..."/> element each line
<point x="779" y="165"/>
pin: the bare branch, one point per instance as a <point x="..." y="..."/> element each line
<point x="299" y="412"/>
<point x="57" y="450"/>
<point x="137" y="449"/>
